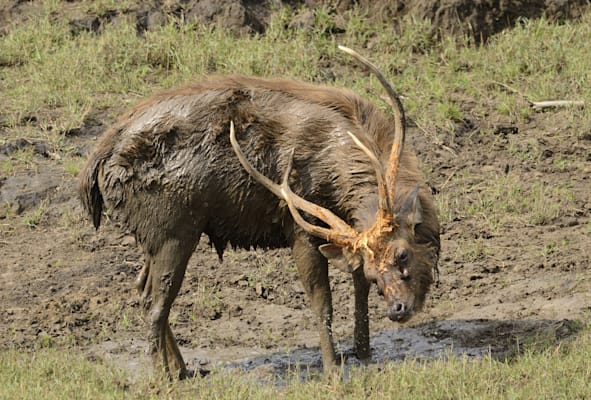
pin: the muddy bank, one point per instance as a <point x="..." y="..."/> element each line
<point x="476" y="338"/>
<point x="479" y="20"/>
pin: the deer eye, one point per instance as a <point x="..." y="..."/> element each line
<point x="402" y="256"/>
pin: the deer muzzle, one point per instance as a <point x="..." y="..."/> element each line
<point x="400" y="300"/>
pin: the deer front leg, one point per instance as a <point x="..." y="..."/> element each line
<point x="361" y="331"/>
<point x="313" y="271"/>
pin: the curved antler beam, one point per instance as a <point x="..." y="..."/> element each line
<point x="399" y="119"/>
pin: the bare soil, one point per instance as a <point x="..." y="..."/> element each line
<point x="63" y="284"/>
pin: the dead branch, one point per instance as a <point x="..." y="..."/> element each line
<point x="542" y="105"/>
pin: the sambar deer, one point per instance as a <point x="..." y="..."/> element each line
<point x="204" y="158"/>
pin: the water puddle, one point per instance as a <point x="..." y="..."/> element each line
<point x="428" y="341"/>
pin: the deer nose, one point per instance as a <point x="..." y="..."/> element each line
<point x="399" y="311"/>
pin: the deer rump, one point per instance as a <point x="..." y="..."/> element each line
<point x="167" y="171"/>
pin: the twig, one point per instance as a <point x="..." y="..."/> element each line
<point x="509" y="88"/>
<point x="541" y="105"/>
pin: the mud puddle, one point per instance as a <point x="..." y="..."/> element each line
<point x="424" y="342"/>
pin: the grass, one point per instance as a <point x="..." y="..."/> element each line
<point x="33" y="218"/>
<point x="118" y="67"/>
<point x="20" y="158"/>
<point x="207" y="302"/>
<point x="557" y="370"/>
<point x="496" y="202"/>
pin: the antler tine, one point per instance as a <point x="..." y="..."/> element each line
<point x="343" y="234"/>
<point x="339" y="233"/>
<point x="399" y="119"/>
<point x="384" y="200"/>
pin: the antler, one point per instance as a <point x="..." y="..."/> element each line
<point x="383" y="198"/>
<point x="399" y="123"/>
<point x="339" y="233"/>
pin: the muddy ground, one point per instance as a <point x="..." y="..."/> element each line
<point x="64" y="284"/>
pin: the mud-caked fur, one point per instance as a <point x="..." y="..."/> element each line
<point x="166" y="170"/>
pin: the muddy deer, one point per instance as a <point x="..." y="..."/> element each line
<point x="205" y="158"/>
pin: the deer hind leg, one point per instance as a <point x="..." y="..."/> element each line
<point x="361" y="331"/>
<point x="159" y="282"/>
<point x="313" y="270"/>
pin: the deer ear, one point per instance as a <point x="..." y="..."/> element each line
<point x="340" y="258"/>
<point x="412" y="211"/>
